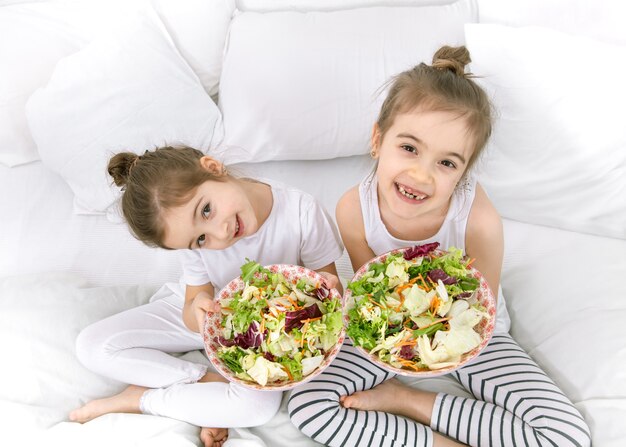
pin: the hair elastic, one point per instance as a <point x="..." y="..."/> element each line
<point x="132" y="165"/>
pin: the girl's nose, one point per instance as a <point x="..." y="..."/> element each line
<point x="220" y="231"/>
<point x="420" y="173"/>
<point x="223" y="231"/>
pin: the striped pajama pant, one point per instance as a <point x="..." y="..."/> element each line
<point x="509" y="402"/>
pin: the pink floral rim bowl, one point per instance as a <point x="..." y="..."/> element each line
<point x="213" y="331"/>
<point x="482" y="296"/>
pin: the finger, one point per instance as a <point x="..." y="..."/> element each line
<point x="200" y="318"/>
<point x="214" y="306"/>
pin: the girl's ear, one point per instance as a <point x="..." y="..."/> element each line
<point x="375" y="141"/>
<point x="212" y="165"/>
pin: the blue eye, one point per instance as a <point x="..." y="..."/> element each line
<point x="206" y="210"/>
<point x="409" y="148"/>
<point x="201" y="240"/>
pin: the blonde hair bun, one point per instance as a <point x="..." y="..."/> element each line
<point x="120" y="166"/>
<point x="452" y="58"/>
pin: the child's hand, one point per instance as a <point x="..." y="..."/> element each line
<point x="331" y="281"/>
<point x="202" y="304"/>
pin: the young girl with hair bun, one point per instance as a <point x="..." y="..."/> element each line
<point x="431" y="128"/>
<point x="177" y="198"/>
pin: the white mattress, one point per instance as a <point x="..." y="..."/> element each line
<point x="40" y="232"/>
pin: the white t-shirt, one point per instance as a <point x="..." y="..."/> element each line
<point x="297" y="231"/>
<point x="451" y="233"/>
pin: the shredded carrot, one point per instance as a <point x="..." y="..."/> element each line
<point x="401" y="287"/>
<point x="434" y="303"/>
<point x="287" y="371"/>
<point x="424" y="282"/>
<point x="470" y="262"/>
<point x="308" y="320"/>
<point x="294" y="303"/>
<point x="435" y="322"/>
<point x="375" y="302"/>
<point x="409" y="363"/>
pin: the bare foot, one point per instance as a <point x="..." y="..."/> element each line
<point x="213" y="437"/>
<point x="383" y="397"/>
<point x="392" y="396"/>
<point x="125" y="402"/>
<point x="210" y="376"/>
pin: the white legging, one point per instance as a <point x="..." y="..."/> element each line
<point x="508" y="401"/>
<point x="134" y="347"/>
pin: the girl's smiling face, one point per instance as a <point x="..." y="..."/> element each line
<point x="422" y="157"/>
<point x="218" y="214"/>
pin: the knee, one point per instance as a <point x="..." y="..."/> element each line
<point x="307" y="403"/>
<point x="265" y="409"/>
<point x="91" y="347"/>
<point x="575" y="434"/>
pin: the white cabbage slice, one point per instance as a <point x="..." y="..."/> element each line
<point x="461" y="340"/>
<point x="396" y="272"/>
<point x="437" y="358"/>
<point x="248" y="292"/>
<point x="264" y="371"/>
<point x="445" y="301"/>
<point x="416" y="300"/>
<point x="310" y="364"/>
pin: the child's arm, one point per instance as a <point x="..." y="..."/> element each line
<point x="198" y="301"/>
<point x="484" y="239"/>
<point x="351" y="228"/>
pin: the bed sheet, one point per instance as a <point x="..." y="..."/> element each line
<point x="39" y="231"/>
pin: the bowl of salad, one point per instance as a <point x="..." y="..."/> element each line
<point x="279" y="326"/>
<point x="419" y="311"/>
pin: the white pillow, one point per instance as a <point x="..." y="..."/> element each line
<point x="130" y="90"/>
<point x="328" y="5"/>
<point x="303" y="85"/>
<point x="565" y="294"/>
<point x="599" y="19"/>
<point x="35" y="36"/>
<point x="557" y="156"/>
<point x="198" y="29"/>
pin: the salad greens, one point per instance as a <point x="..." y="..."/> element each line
<point x="417" y="309"/>
<point x="277" y="331"/>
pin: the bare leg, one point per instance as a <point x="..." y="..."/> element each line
<point x="392" y="396"/>
<point x="213" y="377"/>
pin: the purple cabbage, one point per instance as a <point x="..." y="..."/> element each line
<point x="438" y="274"/>
<point x="322" y="293"/>
<point x="406" y="352"/>
<point x="252" y="338"/>
<point x="419" y="250"/>
<point x="464" y="295"/>
<point x="295" y="318"/>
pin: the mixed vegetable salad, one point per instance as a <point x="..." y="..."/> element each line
<point x="275" y="330"/>
<point x="417" y="310"/>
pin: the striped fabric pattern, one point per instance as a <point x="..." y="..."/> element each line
<point x="515" y="404"/>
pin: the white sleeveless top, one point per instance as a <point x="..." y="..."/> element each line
<point x="451" y="233"/>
